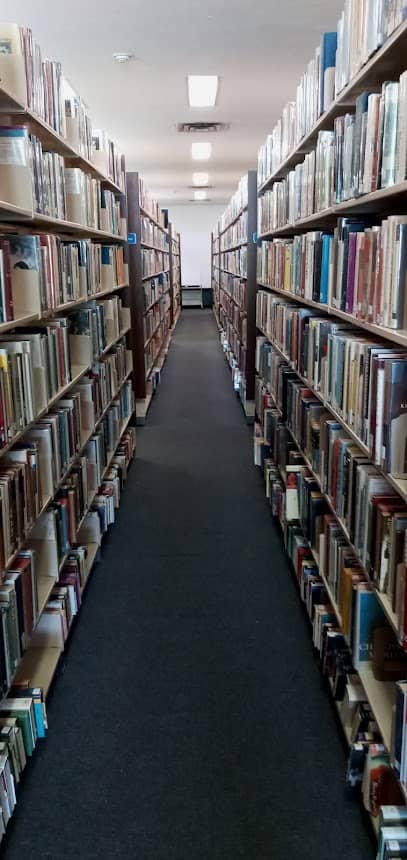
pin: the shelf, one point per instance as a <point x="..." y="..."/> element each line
<point x="228" y="272"/>
<point x="154" y="248"/>
<point x="381" y="696"/>
<point x="121" y="334"/>
<point x="15" y="216"/>
<point x="156" y="274"/>
<point x="376" y="203"/>
<point x="18" y="114"/>
<point x="45" y="584"/>
<point x="386" y="63"/>
<point x="234" y="247"/>
<point x="20" y="321"/>
<point x="395" y="335"/>
<point x="153" y="220"/>
<point x="152" y="334"/>
<point x="38" y="667"/>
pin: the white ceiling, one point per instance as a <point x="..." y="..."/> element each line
<point x="259" y="49"/>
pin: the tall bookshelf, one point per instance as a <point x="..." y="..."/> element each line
<point x="312" y="276"/>
<point x="234" y="261"/>
<point x="151" y="288"/>
<point x="66" y="376"/>
<point x="175" y="273"/>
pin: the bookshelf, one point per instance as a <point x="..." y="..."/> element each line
<point x="329" y="265"/>
<point x="234" y="260"/>
<point x="66" y="375"/>
<point x="175" y="273"/>
<point x="154" y="274"/>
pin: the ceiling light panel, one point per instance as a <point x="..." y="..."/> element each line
<point x="200" y="195"/>
<point x="201" y="151"/>
<point x="200" y="178"/>
<point x="202" y="90"/>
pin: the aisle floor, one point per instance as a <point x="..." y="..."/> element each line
<point x="189" y="719"/>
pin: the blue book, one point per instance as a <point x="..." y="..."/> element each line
<point x="369" y="615"/>
<point x="327" y="241"/>
<point x="329" y="43"/>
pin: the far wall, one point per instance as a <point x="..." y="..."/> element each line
<point x="195" y="222"/>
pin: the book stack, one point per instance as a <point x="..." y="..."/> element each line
<point x="152" y="235"/>
<point x="236" y="234"/>
<point x="237" y="204"/>
<point x="149" y="205"/>
<point x="154" y="262"/>
<point x="154" y="289"/>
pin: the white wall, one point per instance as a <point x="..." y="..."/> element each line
<point x="195" y="223"/>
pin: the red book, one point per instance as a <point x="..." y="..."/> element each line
<point x="8" y="292"/>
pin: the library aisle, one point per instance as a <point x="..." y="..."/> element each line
<point x="189" y="719"/>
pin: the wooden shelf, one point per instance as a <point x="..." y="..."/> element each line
<point x="381" y="696"/>
<point x="235" y="247"/>
<point x="33" y="221"/>
<point x="228" y="272"/>
<point x="394" y="335"/>
<point x="38" y="667"/>
<point x="386" y="63"/>
<point x="155" y="248"/>
<point x="15" y="113"/>
<point x="156" y="274"/>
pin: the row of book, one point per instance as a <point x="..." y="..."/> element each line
<point x="40" y="182"/>
<point x="235" y="234"/>
<point x="40" y="85"/>
<point x="36" y="362"/>
<point x="153" y="235"/>
<point x="154" y="289"/>
<point x="358" y="378"/>
<point x="237" y="202"/>
<point x="234" y="262"/>
<point x="40" y="272"/>
<point x="234" y="287"/>
<point x="365" y="151"/>
<point x="370" y="517"/>
<point x="150" y="205"/>
<point x="33" y="470"/>
<point x="363" y="27"/>
<point x="236" y="317"/>
<point x="359" y="268"/>
<point x="154" y="346"/>
<point x="155" y="315"/>
<point x="233" y="339"/>
<point x="154" y="262"/>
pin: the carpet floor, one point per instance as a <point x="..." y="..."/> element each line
<point x="189" y="720"/>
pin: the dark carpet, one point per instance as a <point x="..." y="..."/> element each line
<point x="189" y="719"/>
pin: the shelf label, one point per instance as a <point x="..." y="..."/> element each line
<point x="132" y="238"/>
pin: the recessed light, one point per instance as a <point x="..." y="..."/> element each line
<point x="200" y="195"/>
<point x="122" y="57"/>
<point x="202" y="90"/>
<point x="200" y="178"/>
<point x="201" y="151"/>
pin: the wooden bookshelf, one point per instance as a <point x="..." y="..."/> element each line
<point x="386" y="64"/>
<point x="144" y="378"/>
<point x="248" y="317"/>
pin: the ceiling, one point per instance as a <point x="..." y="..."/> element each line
<point x="258" y="49"/>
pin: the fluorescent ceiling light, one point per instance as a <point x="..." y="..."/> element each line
<point x="199" y="195"/>
<point x="202" y="90"/>
<point x="200" y="178"/>
<point x="201" y="151"/>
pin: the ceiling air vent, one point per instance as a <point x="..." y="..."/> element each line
<point x="199" y="127"/>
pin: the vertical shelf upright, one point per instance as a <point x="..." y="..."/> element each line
<point x="234" y="281"/>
